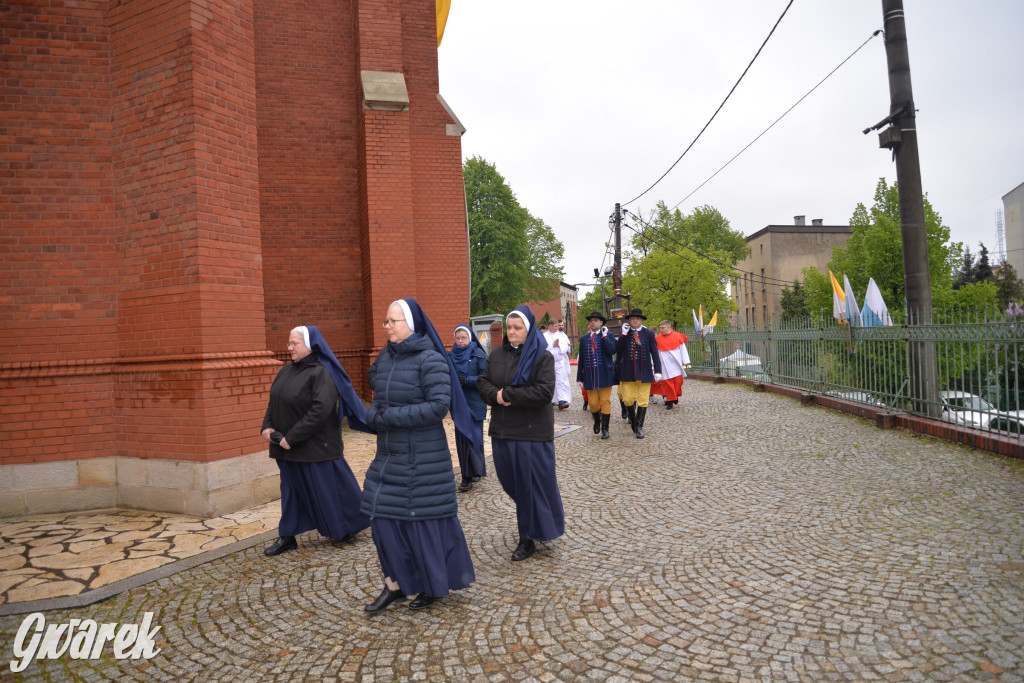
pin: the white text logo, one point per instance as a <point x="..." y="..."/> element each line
<point x="81" y="639"/>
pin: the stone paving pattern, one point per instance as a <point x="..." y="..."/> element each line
<point x="57" y="555"/>
<point x="747" y="538"/>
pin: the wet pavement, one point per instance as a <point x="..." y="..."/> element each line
<point x="747" y="537"/>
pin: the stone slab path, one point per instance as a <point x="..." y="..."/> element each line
<point x="748" y="538"/>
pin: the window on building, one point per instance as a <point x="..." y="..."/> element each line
<point x="763" y="287"/>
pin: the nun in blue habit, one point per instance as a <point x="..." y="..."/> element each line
<point x="409" y="488"/>
<point x="470" y="361"/>
<point x="303" y="425"/>
<point x="518" y="385"/>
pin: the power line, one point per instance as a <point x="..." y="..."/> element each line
<point x="733" y="89"/>
<point x="719" y="264"/>
<point x="778" y="119"/>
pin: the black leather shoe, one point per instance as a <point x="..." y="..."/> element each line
<point x="669" y="405"/>
<point x="422" y="600"/>
<point x="605" y="420"/>
<point x="345" y="539"/>
<point x="641" y="415"/>
<point x="597" y="421"/>
<point x="525" y="548"/>
<point x="466" y="485"/>
<point x="282" y="544"/>
<point x="386" y="597"/>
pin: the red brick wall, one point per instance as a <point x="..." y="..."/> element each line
<point x="308" y="102"/>
<point x="181" y="182"/>
<point x="58" y="238"/>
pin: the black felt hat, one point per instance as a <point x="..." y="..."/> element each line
<point x="597" y="314"/>
<point x="636" y="313"/>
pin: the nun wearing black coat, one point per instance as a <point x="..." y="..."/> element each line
<point x="303" y="426"/>
<point x="518" y="383"/>
<point x="409" y="488"/>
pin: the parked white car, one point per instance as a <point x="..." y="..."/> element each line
<point x="972" y="410"/>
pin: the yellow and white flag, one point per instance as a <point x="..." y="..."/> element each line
<point x="838" y="300"/>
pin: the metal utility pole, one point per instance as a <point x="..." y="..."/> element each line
<point x="901" y="138"/>
<point x="617" y="272"/>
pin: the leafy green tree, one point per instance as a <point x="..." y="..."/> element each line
<point x="681" y="261"/>
<point x="1009" y="288"/>
<point x="794" y="302"/>
<point x="514" y="256"/>
<point x="875" y="250"/>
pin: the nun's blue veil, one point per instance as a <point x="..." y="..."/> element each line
<point x="350" y="405"/>
<point x="464" y="423"/>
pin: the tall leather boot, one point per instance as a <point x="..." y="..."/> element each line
<point x="597" y="421"/>
<point x="625" y="413"/>
<point x="605" y="419"/>
<point x="631" y="411"/>
<point x="641" y="414"/>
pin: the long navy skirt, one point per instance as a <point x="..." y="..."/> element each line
<point x="526" y="470"/>
<point x="320" y="495"/>
<point x="428" y="556"/>
<point x="471" y="463"/>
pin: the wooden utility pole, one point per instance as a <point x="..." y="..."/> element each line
<point x="901" y="138"/>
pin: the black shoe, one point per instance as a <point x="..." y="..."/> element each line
<point x="605" y="419"/>
<point x="466" y="485"/>
<point x="597" y="421"/>
<point x="422" y="600"/>
<point x="632" y="417"/>
<point x="386" y="597"/>
<point x="669" y="405"/>
<point x="525" y="548"/>
<point x="641" y="415"/>
<point x="345" y="539"/>
<point x="283" y="544"/>
<point x="625" y="413"/>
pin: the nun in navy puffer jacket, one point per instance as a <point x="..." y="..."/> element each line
<point x="409" y="489"/>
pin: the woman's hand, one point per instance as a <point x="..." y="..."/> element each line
<point x="501" y="398"/>
<point x="267" y="432"/>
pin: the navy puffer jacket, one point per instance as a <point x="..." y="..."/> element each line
<point x="411" y="476"/>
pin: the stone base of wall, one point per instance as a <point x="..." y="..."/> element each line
<point x="202" y="489"/>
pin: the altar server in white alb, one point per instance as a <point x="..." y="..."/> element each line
<point x="558" y="346"/>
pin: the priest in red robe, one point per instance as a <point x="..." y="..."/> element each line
<point x="674" y="361"/>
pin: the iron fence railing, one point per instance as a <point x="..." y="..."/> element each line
<point x="977" y="358"/>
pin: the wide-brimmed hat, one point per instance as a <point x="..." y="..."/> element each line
<point x="636" y="313"/>
<point x="597" y="314"/>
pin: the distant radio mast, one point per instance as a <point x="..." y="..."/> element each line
<point x="1000" y="238"/>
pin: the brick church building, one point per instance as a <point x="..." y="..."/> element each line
<point x="181" y="183"/>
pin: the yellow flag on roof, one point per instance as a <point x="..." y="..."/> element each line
<point x="442" y="7"/>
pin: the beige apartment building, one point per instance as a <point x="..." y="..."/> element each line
<point x="1013" y="202"/>
<point x="778" y="254"/>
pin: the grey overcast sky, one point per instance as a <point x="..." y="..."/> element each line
<point x="584" y="103"/>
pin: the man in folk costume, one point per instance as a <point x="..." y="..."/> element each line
<point x="639" y="364"/>
<point x="595" y="371"/>
<point x="674" y="361"/>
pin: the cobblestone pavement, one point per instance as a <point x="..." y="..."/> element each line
<point x="747" y="538"/>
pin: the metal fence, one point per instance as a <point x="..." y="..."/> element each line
<point x="977" y="356"/>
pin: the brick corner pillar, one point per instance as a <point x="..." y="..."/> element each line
<point x="194" y="370"/>
<point x="412" y="213"/>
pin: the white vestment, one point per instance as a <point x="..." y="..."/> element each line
<point x="672" y="362"/>
<point x="561" y="353"/>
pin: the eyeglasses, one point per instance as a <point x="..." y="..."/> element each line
<point x="388" y="322"/>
